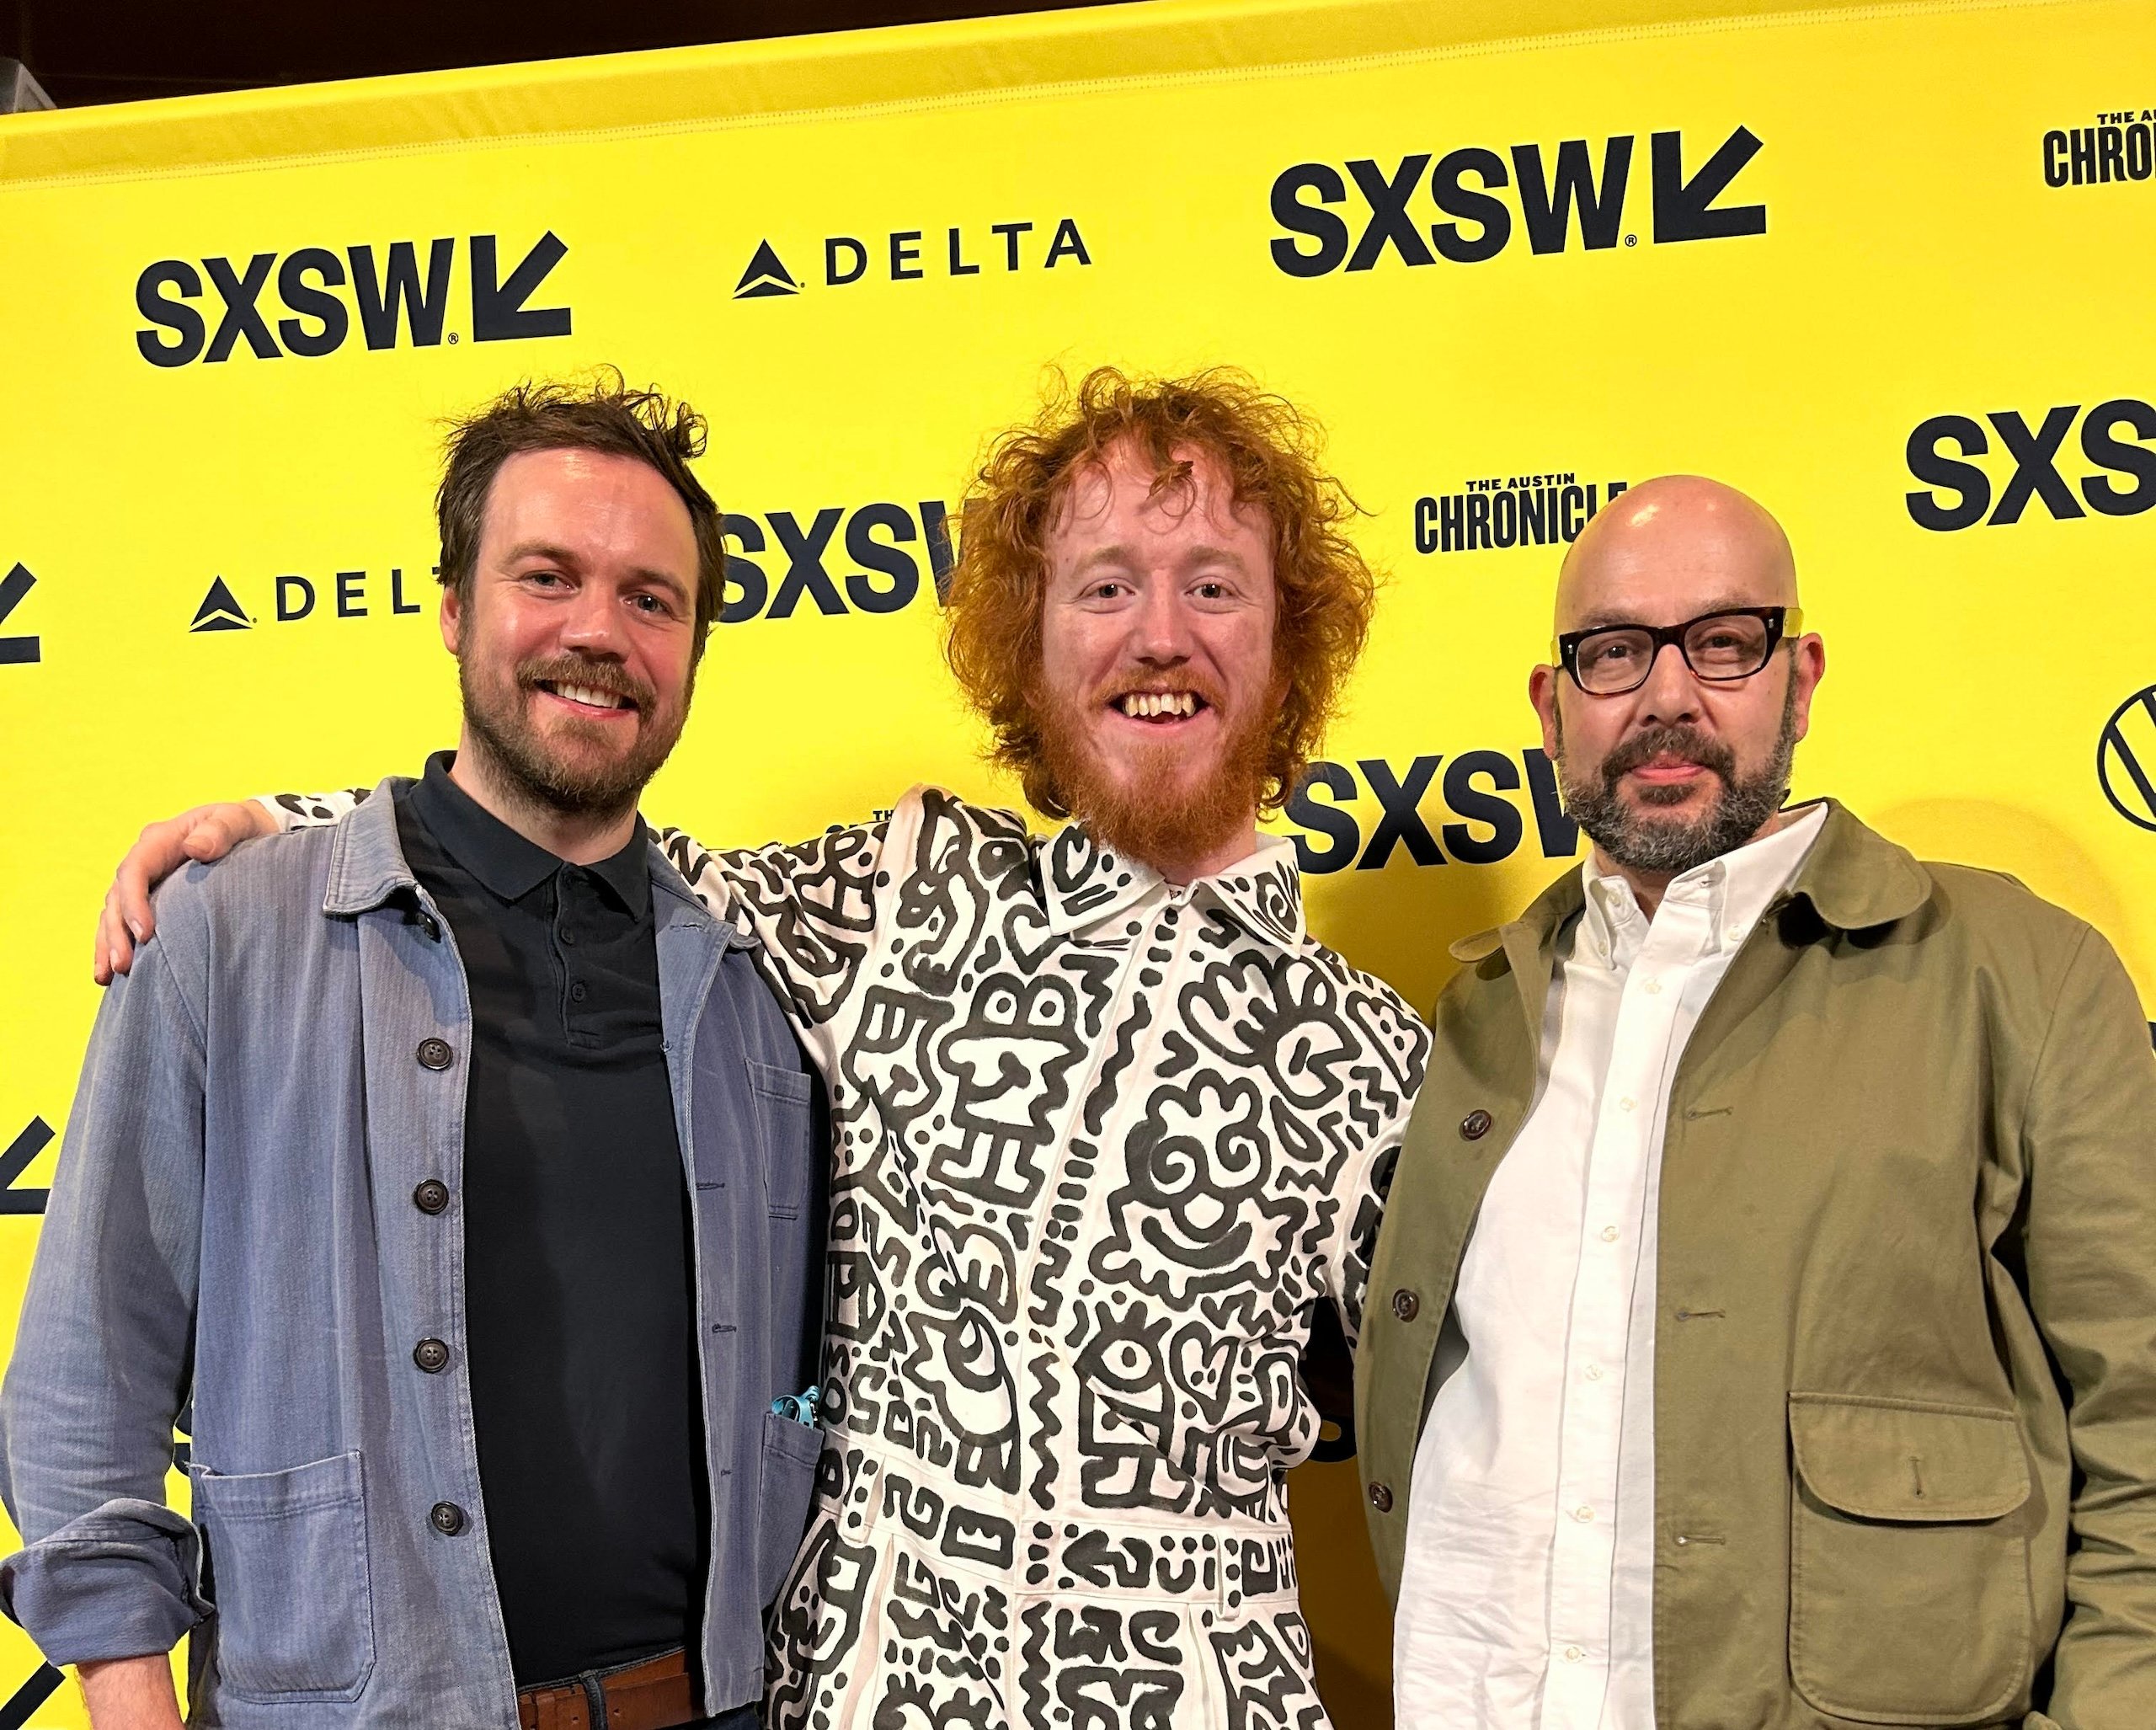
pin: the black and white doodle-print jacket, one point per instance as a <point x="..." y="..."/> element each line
<point x="1101" y="1145"/>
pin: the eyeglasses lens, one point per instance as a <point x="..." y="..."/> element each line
<point x="1732" y="646"/>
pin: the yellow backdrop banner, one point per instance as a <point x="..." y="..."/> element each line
<point x="1885" y="267"/>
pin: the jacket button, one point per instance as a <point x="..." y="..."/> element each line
<point x="1405" y="1304"/>
<point x="1381" y="1497"/>
<point x="447" y="1519"/>
<point x="1472" y="1127"/>
<point x="431" y="1197"/>
<point x="435" y="1053"/>
<point x="431" y="1355"/>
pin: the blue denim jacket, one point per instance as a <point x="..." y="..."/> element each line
<point x="233" y="1221"/>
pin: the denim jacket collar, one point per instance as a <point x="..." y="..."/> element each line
<point x="366" y="861"/>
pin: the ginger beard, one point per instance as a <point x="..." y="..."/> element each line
<point x="1179" y="799"/>
<point x="566" y="764"/>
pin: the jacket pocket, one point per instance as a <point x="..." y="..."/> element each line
<point x="783" y="1098"/>
<point x="788" y="1483"/>
<point x="288" y="1555"/>
<point x="1909" y="1600"/>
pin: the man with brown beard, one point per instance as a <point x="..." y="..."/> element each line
<point x="455" y="1169"/>
<point x="1110" y="1125"/>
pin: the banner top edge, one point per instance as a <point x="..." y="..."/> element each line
<point x="791" y="77"/>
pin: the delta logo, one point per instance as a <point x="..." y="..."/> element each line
<point x="343" y="595"/>
<point x="917" y="254"/>
<point x="1561" y="197"/>
<point x="385" y="292"/>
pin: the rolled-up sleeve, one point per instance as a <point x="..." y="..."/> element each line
<point x="103" y="1348"/>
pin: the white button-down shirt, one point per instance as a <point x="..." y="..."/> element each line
<point x="1527" y="1602"/>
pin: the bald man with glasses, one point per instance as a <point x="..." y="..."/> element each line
<point x="1763" y="1328"/>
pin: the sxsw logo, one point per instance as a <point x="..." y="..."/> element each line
<point x="307" y="303"/>
<point x="1332" y="806"/>
<point x="17" y="651"/>
<point x="347" y="594"/>
<point x="1962" y="493"/>
<point x="912" y="255"/>
<point x="1561" y="197"/>
<point x="836" y="560"/>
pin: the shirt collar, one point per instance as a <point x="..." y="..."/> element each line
<point x="509" y="864"/>
<point x="1735" y="890"/>
<point x="1086" y="885"/>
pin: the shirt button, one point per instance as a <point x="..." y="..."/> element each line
<point x="1381" y="1497"/>
<point x="431" y="1355"/>
<point x="1627" y="1103"/>
<point x="576" y="992"/>
<point x="431" y="1197"/>
<point x="1405" y="1304"/>
<point x="431" y="928"/>
<point x="1582" y="1514"/>
<point x="1475" y="1126"/>
<point x="1595" y="1372"/>
<point x="435" y="1053"/>
<point x="569" y="937"/>
<point x="446" y="1518"/>
<point x="1573" y="1654"/>
<point x="1652" y="988"/>
<point x="1609" y="1234"/>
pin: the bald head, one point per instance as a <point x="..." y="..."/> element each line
<point x="1672" y="549"/>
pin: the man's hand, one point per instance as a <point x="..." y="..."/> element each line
<point x="206" y="833"/>
<point x="130" y="1694"/>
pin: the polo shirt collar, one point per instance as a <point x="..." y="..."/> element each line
<point x="509" y="864"/>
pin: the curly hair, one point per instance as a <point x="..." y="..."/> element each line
<point x="605" y="415"/>
<point x="1269" y="451"/>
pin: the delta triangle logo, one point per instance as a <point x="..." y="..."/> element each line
<point x="220" y="611"/>
<point x="765" y="276"/>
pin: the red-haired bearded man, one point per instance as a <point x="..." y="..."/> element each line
<point x="1109" y="1124"/>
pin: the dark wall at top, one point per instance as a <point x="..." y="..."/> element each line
<point x="85" y="51"/>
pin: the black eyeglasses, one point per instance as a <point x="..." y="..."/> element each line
<point x="1612" y="660"/>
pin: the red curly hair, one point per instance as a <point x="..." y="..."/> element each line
<point x="1267" y="447"/>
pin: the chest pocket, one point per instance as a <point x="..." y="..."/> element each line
<point x="782" y="1107"/>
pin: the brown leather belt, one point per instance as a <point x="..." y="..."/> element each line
<point x="653" y="1693"/>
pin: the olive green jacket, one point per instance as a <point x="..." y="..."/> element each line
<point x="1905" y="1362"/>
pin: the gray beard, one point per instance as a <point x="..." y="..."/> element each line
<point x="1632" y="838"/>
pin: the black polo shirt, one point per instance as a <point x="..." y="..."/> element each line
<point x="579" y="1304"/>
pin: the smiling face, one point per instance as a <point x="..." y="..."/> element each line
<point x="1158" y="688"/>
<point x="1682" y="769"/>
<point x="576" y="649"/>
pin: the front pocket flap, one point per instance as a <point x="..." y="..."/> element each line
<point x="1913" y="1460"/>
